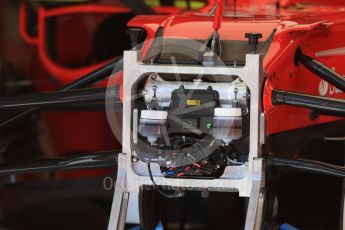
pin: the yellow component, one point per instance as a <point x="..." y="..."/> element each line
<point x="152" y="3"/>
<point x="194" y="4"/>
<point x="193" y="102"/>
<point x="178" y="3"/>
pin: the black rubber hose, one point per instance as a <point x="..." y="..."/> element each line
<point x="76" y="162"/>
<point x="89" y="79"/>
<point x="96" y="75"/>
<point x="331" y="106"/>
<point x="53" y="99"/>
<point x="320" y="70"/>
<point x="84" y="107"/>
<point x="307" y="166"/>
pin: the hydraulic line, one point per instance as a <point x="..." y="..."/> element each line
<point x="53" y="99"/>
<point x="95" y="76"/>
<point x="83" y="107"/>
<point x="76" y="162"/>
<point x="320" y="70"/>
<point x="329" y="106"/>
<point x="89" y="79"/>
<point x="307" y="166"/>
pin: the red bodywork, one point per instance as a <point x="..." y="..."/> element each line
<point x="83" y="131"/>
<point x="313" y="28"/>
<point x="63" y="74"/>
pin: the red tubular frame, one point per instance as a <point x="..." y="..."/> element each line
<point x="62" y="74"/>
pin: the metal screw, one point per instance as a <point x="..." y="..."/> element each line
<point x="205" y="193"/>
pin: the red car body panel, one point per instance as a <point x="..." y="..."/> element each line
<point x="63" y="74"/>
<point x="314" y="29"/>
<point x="70" y="132"/>
<point x="83" y="131"/>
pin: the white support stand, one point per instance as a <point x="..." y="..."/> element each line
<point x="246" y="180"/>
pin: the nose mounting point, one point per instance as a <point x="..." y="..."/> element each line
<point x="253" y="41"/>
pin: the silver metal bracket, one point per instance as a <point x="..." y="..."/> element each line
<point x="121" y="197"/>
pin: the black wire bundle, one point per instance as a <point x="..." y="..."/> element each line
<point x="176" y="194"/>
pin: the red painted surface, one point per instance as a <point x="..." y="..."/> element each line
<point x="63" y="74"/>
<point x="217" y="21"/>
<point x="70" y="132"/>
<point x="313" y="28"/>
<point x="73" y="132"/>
